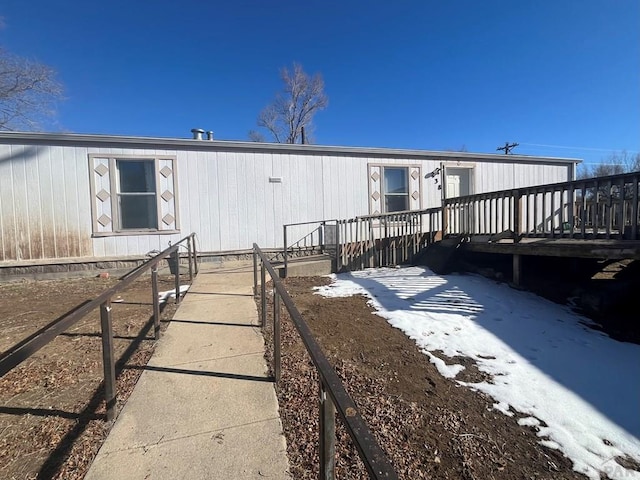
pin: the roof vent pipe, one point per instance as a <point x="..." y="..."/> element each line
<point x="209" y="135"/>
<point x="197" y="133"/>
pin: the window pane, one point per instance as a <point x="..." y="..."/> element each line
<point x="396" y="203"/>
<point x="138" y="211"/>
<point x="136" y="176"/>
<point x="395" y="180"/>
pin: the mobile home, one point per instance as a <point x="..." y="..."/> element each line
<point x="72" y="196"/>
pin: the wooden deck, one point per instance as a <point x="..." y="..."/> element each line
<point x="560" y="247"/>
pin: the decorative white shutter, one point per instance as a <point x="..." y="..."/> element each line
<point x="101" y="194"/>
<point x="375" y="189"/>
<point x="415" y="197"/>
<point x="167" y="201"/>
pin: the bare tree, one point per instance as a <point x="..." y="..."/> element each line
<point x="28" y="92"/>
<point x="614" y="164"/>
<point x="293" y="109"/>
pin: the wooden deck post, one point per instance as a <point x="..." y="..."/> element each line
<point x="517" y="215"/>
<point x="517" y="270"/>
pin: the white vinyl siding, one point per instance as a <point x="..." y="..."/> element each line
<point x="49" y="205"/>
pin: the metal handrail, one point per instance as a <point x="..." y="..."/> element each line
<point x="333" y="395"/>
<point x="286" y="246"/>
<point x="18" y="353"/>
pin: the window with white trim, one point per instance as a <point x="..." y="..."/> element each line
<point x="136" y="187"/>
<point x="133" y="195"/>
<point x="394" y="188"/>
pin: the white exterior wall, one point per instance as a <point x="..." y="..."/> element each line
<point x="223" y="194"/>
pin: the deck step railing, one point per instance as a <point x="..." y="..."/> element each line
<point x="385" y="239"/>
<point x="365" y="241"/>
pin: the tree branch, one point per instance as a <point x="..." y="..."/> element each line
<point x="292" y="109"/>
<point x="28" y="92"/>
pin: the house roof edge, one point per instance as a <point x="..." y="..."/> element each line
<point x="82" y="139"/>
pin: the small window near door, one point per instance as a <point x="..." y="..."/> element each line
<point x="395" y="189"/>
<point x="137" y="203"/>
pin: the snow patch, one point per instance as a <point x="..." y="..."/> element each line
<point x="544" y="361"/>
<point x="169" y="294"/>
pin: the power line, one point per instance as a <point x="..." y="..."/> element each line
<point x="508" y="147"/>
<point x="580" y="148"/>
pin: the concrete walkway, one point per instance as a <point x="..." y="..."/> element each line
<point x="203" y="408"/>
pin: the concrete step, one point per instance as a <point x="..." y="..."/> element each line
<point x="308" y="266"/>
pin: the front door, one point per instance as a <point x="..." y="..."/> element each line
<point x="458" y="182"/>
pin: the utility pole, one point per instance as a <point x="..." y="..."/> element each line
<point x="508" y="147"/>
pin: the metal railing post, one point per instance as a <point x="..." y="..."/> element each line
<point x="263" y="295"/>
<point x="327" y="435"/>
<point x="276" y="336"/>
<point x="176" y="258"/>
<point x="255" y="272"/>
<point x="338" y="250"/>
<point x="156" y="302"/>
<point x="284" y="251"/>
<point x="189" y="259"/>
<point x="195" y="253"/>
<point x="108" y="360"/>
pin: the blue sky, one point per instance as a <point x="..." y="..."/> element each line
<point x="427" y="74"/>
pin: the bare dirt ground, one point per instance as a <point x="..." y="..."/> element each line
<point x="52" y="412"/>
<point x="429" y="426"/>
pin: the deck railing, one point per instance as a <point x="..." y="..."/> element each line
<point x="18" y="353"/>
<point x="602" y="207"/>
<point x="333" y="396"/>
<point x="385" y="239"/>
<point x="594" y="208"/>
